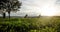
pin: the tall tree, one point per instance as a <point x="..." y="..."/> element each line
<point x="3" y="7"/>
<point x="13" y="5"/>
<point x="9" y="5"/>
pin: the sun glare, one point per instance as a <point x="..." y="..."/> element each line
<point x="48" y="11"/>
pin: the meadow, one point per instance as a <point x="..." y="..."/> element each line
<point x="42" y="24"/>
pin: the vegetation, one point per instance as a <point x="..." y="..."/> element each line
<point x="8" y="6"/>
<point x="42" y="24"/>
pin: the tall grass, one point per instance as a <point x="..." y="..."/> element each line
<point x="43" y="24"/>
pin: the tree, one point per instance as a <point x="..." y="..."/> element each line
<point x="2" y="7"/>
<point x="13" y="5"/>
<point x="9" y="5"/>
<point x="39" y="16"/>
<point x="25" y="16"/>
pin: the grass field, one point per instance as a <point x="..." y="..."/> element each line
<point x="42" y="24"/>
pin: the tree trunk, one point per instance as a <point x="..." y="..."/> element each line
<point x="9" y="14"/>
<point x="4" y="15"/>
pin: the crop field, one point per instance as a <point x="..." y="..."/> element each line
<point x="42" y="24"/>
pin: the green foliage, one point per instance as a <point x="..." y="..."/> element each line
<point x="43" y="24"/>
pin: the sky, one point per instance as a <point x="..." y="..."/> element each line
<point x="38" y="7"/>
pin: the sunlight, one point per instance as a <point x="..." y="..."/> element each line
<point x="48" y="11"/>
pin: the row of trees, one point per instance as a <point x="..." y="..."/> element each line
<point x="35" y="16"/>
<point x="8" y="6"/>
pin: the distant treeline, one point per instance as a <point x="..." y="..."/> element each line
<point x="26" y="16"/>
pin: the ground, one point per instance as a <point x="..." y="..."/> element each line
<point x="42" y="24"/>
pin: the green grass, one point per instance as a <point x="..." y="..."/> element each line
<point x="43" y="24"/>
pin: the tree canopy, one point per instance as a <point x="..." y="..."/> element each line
<point x="9" y="5"/>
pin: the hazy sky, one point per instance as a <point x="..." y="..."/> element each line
<point x="36" y="7"/>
